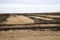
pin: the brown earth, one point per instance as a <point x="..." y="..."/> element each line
<point x="29" y="35"/>
<point x="26" y="34"/>
<point x="18" y="20"/>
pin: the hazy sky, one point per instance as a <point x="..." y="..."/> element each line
<point x="29" y="6"/>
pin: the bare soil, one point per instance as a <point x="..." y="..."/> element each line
<point x="18" y="20"/>
<point x="29" y="35"/>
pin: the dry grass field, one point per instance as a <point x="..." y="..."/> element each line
<point x="44" y="26"/>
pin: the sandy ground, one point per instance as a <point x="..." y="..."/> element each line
<point x="26" y="34"/>
<point x="18" y="20"/>
<point x="29" y="35"/>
